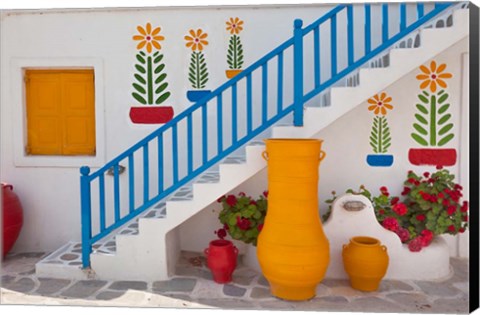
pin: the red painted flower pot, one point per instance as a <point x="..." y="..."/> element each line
<point x="221" y="260"/>
<point x="435" y="157"/>
<point x="151" y="114"/>
<point x="12" y="218"/>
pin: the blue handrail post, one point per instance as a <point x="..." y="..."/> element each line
<point x="298" y="73"/>
<point x="86" y="206"/>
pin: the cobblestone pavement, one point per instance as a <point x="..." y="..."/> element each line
<point x="193" y="287"/>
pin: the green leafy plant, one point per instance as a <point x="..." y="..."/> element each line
<point x="235" y="53"/>
<point x="432" y="126"/>
<point x="197" y="72"/>
<point x="150" y="86"/>
<point x="430" y="206"/>
<point x="242" y="217"/>
<point x="380" y="139"/>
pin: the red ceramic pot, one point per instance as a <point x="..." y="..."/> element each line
<point x="221" y="260"/>
<point x="12" y="218"/>
<point x="151" y="114"/>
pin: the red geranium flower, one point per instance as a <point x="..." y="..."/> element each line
<point x="400" y="209"/>
<point x="415" y="245"/>
<point x="421" y="217"/>
<point x="403" y="234"/>
<point x="465" y="218"/>
<point x="451" y="228"/>
<point x="221" y="233"/>
<point x="220" y="199"/>
<point x="394" y="201"/>
<point x="464" y="207"/>
<point x="260" y="227"/>
<point x="451" y="210"/>
<point x="265" y="193"/>
<point x="231" y="200"/>
<point x="390" y="224"/>
<point x="426" y="174"/>
<point x="426" y="237"/>
<point x="241" y="194"/>
<point x="243" y="224"/>
<point x="405" y="191"/>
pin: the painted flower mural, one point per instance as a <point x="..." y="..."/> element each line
<point x="150" y="86"/>
<point x="433" y="127"/>
<point x="235" y="47"/>
<point x="197" y="70"/>
<point x="380" y="139"/>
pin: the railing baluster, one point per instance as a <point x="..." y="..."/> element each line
<point x="316" y="54"/>
<point x="403" y="16"/>
<point x="204" y="134"/>
<point x="219" y="123"/>
<point x="160" y="162"/>
<point x="280" y="82"/>
<point x="175" y="153"/>
<point x="234" y="114"/>
<point x="101" y="199"/>
<point x="264" y="93"/>
<point x="249" y="104"/>
<point x="298" y="73"/>
<point x="350" y="34"/>
<point x="86" y="207"/>
<point x="368" y="30"/>
<point x="333" y="41"/>
<point x="420" y="10"/>
<point x="384" y="22"/>
<point x="189" y="144"/>
<point x="131" y="183"/>
<point x="116" y="191"/>
<point x="146" y="174"/>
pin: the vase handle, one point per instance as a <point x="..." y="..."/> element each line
<point x="265" y="155"/>
<point x="8" y="186"/>
<point x="384" y="248"/>
<point x="345" y="246"/>
<point x="235" y="251"/>
<point x="322" y="156"/>
<point x="206" y="251"/>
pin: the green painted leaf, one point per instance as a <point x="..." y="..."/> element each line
<point x="139" y="88"/>
<point x="158" y="59"/>
<point x="422" y="108"/>
<point x="442" y="98"/>
<point x="141" y="59"/>
<point x="443" y="108"/>
<point x="445" y="140"/>
<point x="426" y="93"/>
<point x="160" y="78"/>
<point x="140" y="78"/>
<point x="419" y="139"/>
<point x="139" y="98"/>
<point x="421" y="119"/>
<point x="444" y="119"/>
<point x="373" y="140"/>
<point x="162" y="98"/>
<point x="423" y="98"/>
<point x="159" y="68"/>
<point x="140" y="69"/>
<point x="445" y="129"/>
<point x="161" y="88"/>
<point x="385" y="147"/>
<point x="420" y="129"/>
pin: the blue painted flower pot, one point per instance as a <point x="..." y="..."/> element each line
<point x="196" y="95"/>
<point x="380" y="159"/>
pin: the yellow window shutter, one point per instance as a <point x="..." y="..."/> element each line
<point x="60" y="112"/>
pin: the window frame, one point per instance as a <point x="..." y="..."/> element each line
<point x="19" y="112"/>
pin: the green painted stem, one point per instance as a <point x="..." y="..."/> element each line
<point x="235" y="51"/>
<point x="197" y="61"/>
<point x="433" y="120"/>
<point x="380" y="121"/>
<point x="150" y="80"/>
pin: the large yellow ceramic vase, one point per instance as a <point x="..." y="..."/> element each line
<point x="292" y="249"/>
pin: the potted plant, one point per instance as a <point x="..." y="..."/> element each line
<point x="197" y="70"/>
<point x="429" y="205"/>
<point x="150" y="83"/>
<point x="380" y="139"/>
<point x="235" y="47"/>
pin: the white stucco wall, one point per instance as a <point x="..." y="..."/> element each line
<point x="102" y="39"/>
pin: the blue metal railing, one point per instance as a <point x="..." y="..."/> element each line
<point x="192" y="129"/>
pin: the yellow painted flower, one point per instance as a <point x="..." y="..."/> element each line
<point x="148" y="37"/>
<point x="380" y="103"/>
<point x="234" y="25"/>
<point x="433" y="76"/>
<point x="196" y="40"/>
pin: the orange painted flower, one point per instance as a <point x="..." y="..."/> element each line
<point x="380" y="103"/>
<point x="196" y="40"/>
<point x="148" y="37"/>
<point x="433" y="76"/>
<point x="234" y="26"/>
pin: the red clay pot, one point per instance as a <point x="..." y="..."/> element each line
<point x="221" y="260"/>
<point x="12" y="218"/>
<point x="435" y="157"/>
<point x="151" y="114"/>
